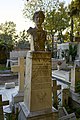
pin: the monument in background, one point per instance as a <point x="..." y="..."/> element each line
<point x="37" y="103"/>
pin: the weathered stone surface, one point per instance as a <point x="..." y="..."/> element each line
<point x="20" y="69"/>
<point x="68" y="117"/>
<point x="75" y="79"/>
<point x="65" y="97"/>
<point x="17" y="97"/>
<point x="38" y="34"/>
<point x="47" y="114"/>
<point x="9" y="85"/>
<point x="38" y="88"/>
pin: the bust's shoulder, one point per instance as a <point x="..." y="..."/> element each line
<point x="30" y="30"/>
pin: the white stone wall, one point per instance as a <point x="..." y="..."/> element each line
<point x="16" y="54"/>
<point x="61" y="47"/>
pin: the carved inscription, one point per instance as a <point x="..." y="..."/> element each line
<point x="41" y="96"/>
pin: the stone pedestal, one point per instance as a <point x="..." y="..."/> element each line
<point x="47" y="114"/>
<point x="37" y="103"/>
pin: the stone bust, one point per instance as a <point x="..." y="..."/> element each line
<point x="38" y="35"/>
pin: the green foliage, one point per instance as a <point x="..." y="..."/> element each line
<point x="77" y="26"/>
<point x="22" y="42"/>
<point x="75" y="8"/>
<point x="70" y="110"/>
<point x="7" y="34"/>
<point x="34" y="5"/>
<point x="2" y="68"/>
<point x="78" y="87"/>
<point x="56" y="15"/>
<point x="73" y="51"/>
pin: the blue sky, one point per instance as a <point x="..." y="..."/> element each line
<point x="11" y="10"/>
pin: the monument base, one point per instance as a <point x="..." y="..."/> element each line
<point x="19" y="97"/>
<point x="48" y="114"/>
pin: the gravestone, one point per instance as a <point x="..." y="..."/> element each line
<point x="37" y="103"/>
<point x="75" y="79"/>
<point x="65" y="97"/>
<point x="55" y="96"/>
<point x="38" y="89"/>
<point x="75" y="87"/>
<point x="20" y="69"/>
<point x="14" y="55"/>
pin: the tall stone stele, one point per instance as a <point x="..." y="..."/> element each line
<point x="37" y="103"/>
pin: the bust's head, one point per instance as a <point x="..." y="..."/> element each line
<point x="38" y="17"/>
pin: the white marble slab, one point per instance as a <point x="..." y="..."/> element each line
<point x="7" y="93"/>
<point x="62" y="75"/>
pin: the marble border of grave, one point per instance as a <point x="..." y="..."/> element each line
<point x="62" y="75"/>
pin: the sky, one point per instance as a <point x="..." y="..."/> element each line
<point x="11" y="10"/>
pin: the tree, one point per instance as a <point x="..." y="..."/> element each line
<point x="74" y="13"/>
<point x="7" y="37"/>
<point x="56" y="17"/>
<point x="22" y="41"/>
<point x="8" y="29"/>
<point x="75" y="8"/>
<point x="57" y="20"/>
<point x="34" y="5"/>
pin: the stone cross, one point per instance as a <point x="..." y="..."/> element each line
<point x="2" y="103"/>
<point x="20" y="69"/>
<point x="54" y="90"/>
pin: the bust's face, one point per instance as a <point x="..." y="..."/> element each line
<point x="38" y="20"/>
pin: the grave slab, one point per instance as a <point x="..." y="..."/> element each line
<point x="62" y="75"/>
<point x="7" y="93"/>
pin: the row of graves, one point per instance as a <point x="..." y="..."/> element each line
<point x="38" y="92"/>
<point x="39" y="95"/>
